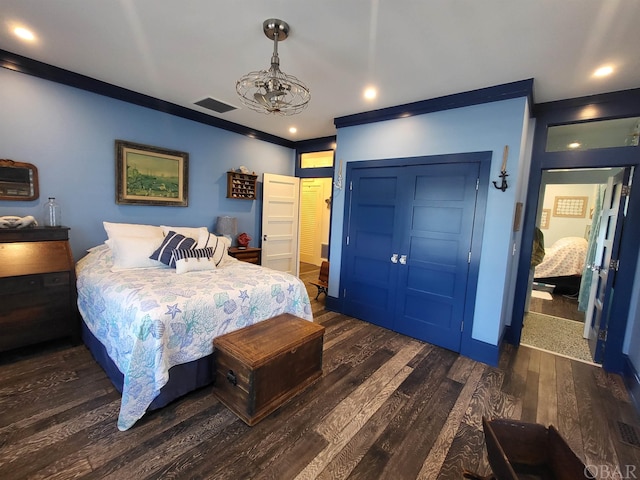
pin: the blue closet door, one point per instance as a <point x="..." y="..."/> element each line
<point x="432" y="281"/>
<point x="409" y="235"/>
<point x="373" y="234"/>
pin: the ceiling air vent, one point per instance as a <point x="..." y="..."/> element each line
<point x="215" y="105"/>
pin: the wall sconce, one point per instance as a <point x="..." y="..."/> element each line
<point x="227" y="227"/>
<point x="338" y="183"/>
<point x="503" y="171"/>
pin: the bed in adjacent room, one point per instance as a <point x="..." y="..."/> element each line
<point x="563" y="265"/>
<point x="152" y="328"/>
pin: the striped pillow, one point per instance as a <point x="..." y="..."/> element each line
<point x="220" y="246"/>
<point x="171" y="242"/>
<point x="194" y="260"/>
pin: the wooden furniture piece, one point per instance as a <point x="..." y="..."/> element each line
<point x="37" y="287"/>
<point x="516" y="449"/>
<point x="260" y="367"/>
<point x="249" y="254"/>
<point x="323" y="279"/>
<point x="241" y="185"/>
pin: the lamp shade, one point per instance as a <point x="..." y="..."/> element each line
<point x="227" y="226"/>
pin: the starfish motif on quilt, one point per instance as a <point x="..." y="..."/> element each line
<point x="243" y="295"/>
<point x="173" y="310"/>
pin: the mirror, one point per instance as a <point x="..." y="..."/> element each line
<point x="18" y="180"/>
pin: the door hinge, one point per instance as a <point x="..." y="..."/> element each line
<point x="477" y="184"/>
<point x="626" y="190"/>
<point x="462" y="326"/>
<point x="351" y="185"/>
<point x="344" y="293"/>
<point x="602" y="335"/>
<point x="347" y="239"/>
<point x="469" y="257"/>
<point x="614" y="264"/>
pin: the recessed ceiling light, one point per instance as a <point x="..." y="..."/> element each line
<point x="574" y="145"/>
<point x="370" y="93"/>
<point x="293" y="129"/>
<point x="603" y="71"/>
<point x="24" y="33"/>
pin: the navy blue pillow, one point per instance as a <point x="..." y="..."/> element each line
<point x="172" y="241"/>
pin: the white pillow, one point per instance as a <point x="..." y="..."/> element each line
<point x="133" y="252"/>
<point x="131" y="230"/>
<point x="191" y="232"/>
<point x="194" y="260"/>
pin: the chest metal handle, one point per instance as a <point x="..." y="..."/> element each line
<point x="232" y="378"/>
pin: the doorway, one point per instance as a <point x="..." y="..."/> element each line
<point x="315" y="219"/>
<point x="560" y="296"/>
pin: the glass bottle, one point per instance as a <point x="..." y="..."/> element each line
<point x="52" y="217"/>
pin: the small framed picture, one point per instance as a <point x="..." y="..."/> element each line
<point x="544" y="218"/>
<point x="570" y="207"/>
<point x="147" y="175"/>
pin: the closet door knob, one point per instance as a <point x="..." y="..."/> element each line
<point x="403" y="259"/>
<point x="394" y="258"/>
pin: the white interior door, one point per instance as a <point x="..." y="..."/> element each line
<point x="605" y="264"/>
<point x="280" y="208"/>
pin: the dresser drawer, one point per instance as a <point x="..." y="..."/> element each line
<point x="249" y="255"/>
<point x="33" y="283"/>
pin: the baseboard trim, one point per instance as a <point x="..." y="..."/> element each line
<point x="480" y="351"/>
<point x="632" y="381"/>
<point x="333" y="304"/>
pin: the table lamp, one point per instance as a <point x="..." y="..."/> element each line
<point x="227" y="227"/>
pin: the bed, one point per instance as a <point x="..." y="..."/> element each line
<point x="563" y="265"/>
<point x="152" y="328"/>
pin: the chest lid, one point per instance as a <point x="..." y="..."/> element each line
<point x="255" y="345"/>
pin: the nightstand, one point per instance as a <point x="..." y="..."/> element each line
<point x="249" y="254"/>
<point x="37" y="287"/>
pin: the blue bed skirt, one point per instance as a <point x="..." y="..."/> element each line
<point x="183" y="378"/>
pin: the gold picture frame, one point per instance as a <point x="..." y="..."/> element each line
<point x="147" y="175"/>
<point x="570" y="207"/>
<point x="545" y="218"/>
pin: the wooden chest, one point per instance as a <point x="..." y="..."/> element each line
<point x="260" y="367"/>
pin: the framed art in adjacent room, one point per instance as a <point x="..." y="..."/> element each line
<point x="544" y="218"/>
<point x="570" y="207"/>
<point x="147" y="175"/>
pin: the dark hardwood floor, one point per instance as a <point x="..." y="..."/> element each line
<point x="387" y="406"/>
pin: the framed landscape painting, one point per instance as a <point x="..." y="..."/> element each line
<point x="147" y="175"/>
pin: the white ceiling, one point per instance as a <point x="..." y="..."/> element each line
<point x="411" y="50"/>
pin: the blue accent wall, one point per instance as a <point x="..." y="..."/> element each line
<point x="484" y="127"/>
<point x="69" y="135"/>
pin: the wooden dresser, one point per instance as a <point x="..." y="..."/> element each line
<point x="249" y="254"/>
<point x="37" y="287"/>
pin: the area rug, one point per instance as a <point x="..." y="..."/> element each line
<point x="556" y="335"/>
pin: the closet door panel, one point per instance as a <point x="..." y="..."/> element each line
<point x="432" y="284"/>
<point x="371" y="280"/>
